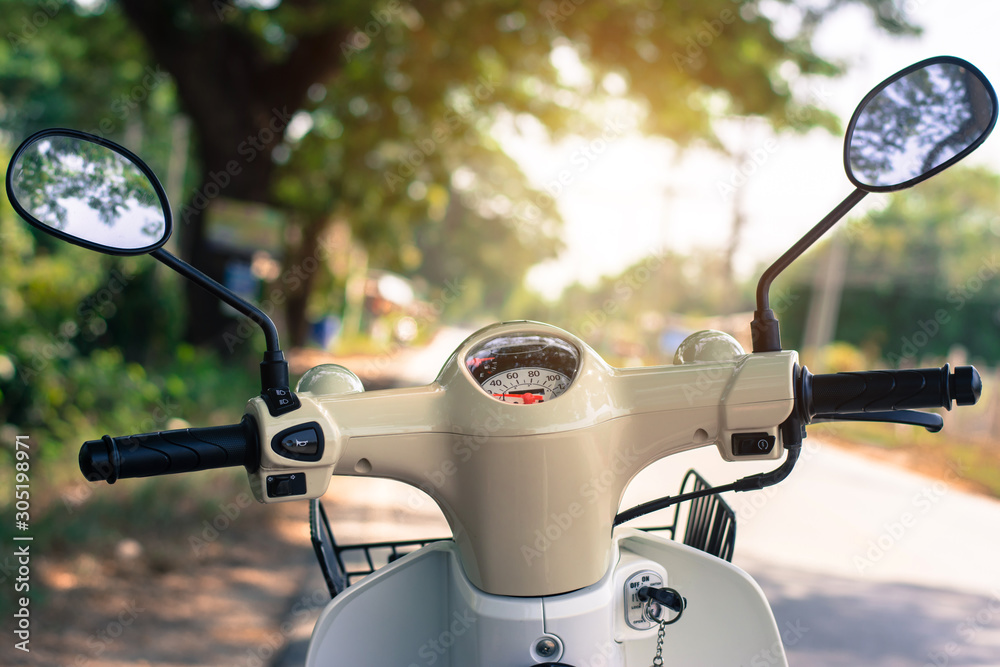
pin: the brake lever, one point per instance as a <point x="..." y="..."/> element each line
<point x="929" y="420"/>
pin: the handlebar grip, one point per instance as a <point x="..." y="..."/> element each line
<point x="167" y="452"/>
<point x="878" y="391"/>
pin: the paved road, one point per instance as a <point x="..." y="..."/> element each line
<point x="883" y="566"/>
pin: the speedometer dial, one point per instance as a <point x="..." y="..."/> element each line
<point x="524" y="368"/>
<point x="526" y="385"/>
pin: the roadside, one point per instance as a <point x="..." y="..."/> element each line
<point x="971" y="464"/>
<point x="197" y="592"/>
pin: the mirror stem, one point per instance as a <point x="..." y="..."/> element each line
<point x="274" y="368"/>
<point x="764" y="328"/>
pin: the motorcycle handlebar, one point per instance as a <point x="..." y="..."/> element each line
<point x="167" y="452"/>
<point x="887" y="390"/>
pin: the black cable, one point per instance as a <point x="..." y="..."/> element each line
<point x="791" y="434"/>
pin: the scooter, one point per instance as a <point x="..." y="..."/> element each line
<point x="527" y="438"/>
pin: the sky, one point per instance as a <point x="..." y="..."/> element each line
<point x="630" y="196"/>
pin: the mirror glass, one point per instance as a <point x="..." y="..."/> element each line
<point x="918" y="124"/>
<point x="88" y="192"/>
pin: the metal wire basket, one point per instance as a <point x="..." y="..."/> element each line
<point x="709" y="524"/>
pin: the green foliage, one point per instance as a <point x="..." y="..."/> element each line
<point x="90" y="345"/>
<point x="390" y="101"/>
<point x="434" y="180"/>
<point x="625" y="317"/>
<point x="923" y="273"/>
<point x="65" y="66"/>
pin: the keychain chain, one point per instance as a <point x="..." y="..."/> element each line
<point x="658" y="658"/>
<point x="656" y="613"/>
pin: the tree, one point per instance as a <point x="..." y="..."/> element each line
<point x="365" y="113"/>
<point x="921" y="273"/>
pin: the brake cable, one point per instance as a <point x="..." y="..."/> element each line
<point x="792" y="432"/>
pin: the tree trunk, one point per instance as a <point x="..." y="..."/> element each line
<point x="303" y="265"/>
<point x="239" y="103"/>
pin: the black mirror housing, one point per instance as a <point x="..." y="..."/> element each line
<point x="88" y="191"/>
<point x="917" y="123"/>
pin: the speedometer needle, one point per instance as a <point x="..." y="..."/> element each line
<point x="526" y="398"/>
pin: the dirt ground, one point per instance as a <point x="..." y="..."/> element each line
<point x="245" y="596"/>
<point x="154" y="602"/>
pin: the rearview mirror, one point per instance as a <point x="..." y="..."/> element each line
<point x="917" y="123"/>
<point x="88" y="191"/>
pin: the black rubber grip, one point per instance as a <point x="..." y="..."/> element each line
<point x="168" y="452"/>
<point x="879" y="391"/>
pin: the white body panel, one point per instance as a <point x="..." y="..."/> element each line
<point x="422" y="610"/>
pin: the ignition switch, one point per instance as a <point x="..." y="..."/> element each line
<point x="635" y="606"/>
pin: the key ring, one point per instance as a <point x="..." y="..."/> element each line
<point x="652" y="611"/>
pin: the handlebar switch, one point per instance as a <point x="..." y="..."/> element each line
<point x="752" y="444"/>
<point x="280" y="400"/>
<point x="290" y="484"/>
<point x="302" y="442"/>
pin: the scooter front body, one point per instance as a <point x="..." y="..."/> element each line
<point x="423" y="610"/>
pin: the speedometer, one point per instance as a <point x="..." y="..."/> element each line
<point x="524" y="368"/>
<point x="526" y="385"/>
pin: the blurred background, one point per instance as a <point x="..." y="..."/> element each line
<point x="385" y="178"/>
